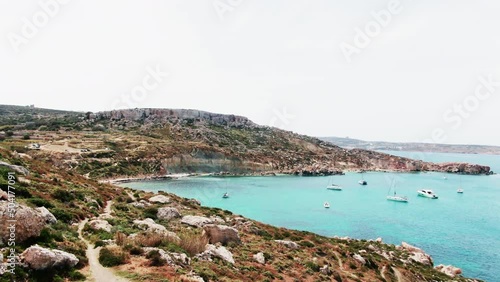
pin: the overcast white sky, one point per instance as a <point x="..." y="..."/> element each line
<point x="276" y="62"/>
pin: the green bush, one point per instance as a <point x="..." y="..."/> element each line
<point x="151" y="212"/>
<point x="136" y="251"/>
<point x="313" y="266"/>
<point x="155" y="258"/>
<point x="62" y="215"/>
<point x="109" y="258"/>
<point x="39" y="202"/>
<point x="307" y="244"/>
<point x="63" y="196"/>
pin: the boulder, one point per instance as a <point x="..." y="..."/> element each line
<point x="259" y="257"/>
<point x="38" y="258"/>
<point x="163" y="255"/>
<point x="195" y="201"/>
<point x="168" y="213"/>
<point x="196" y="221"/>
<point x="359" y="258"/>
<point x="150" y="225"/>
<point x="449" y="270"/>
<point x="49" y="217"/>
<point x="99" y="224"/>
<point x="160" y="199"/>
<point x="221" y="234"/>
<point x="220" y="252"/>
<point x="289" y="244"/>
<point x="416" y="254"/>
<point x="29" y="222"/>
<point x="16" y="168"/>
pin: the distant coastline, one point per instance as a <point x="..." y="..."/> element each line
<point x="349" y="143"/>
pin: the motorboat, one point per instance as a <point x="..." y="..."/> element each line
<point x="427" y="193"/>
<point x="396" y="198"/>
<point x="460" y="191"/>
<point x="362" y="182"/>
<point x="226" y="195"/>
<point x="334" y="187"/>
<point x="326" y="205"/>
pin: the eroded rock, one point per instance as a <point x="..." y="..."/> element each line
<point x="196" y="221"/>
<point x="160" y="199"/>
<point x="168" y="213"/>
<point x="38" y="258"/>
<point x="221" y="234"/>
<point x="289" y="244"/>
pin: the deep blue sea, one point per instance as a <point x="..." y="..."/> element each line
<point x="458" y="229"/>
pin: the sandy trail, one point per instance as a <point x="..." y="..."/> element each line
<point x="98" y="272"/>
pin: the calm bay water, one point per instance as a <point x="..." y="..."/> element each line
<point x="458" y="229"/>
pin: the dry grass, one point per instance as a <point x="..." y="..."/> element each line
<point x="193" y="243"/>
<point x="120" y="238"/>
<point x="152" y="240"/>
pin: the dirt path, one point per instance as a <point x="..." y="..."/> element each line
<point x="98" y="272"/>
<point x="398" y="275"/>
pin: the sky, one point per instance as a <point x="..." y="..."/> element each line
<point x="420" y="71"/>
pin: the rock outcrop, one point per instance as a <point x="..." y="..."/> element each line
<point x="16" y="168"/>
<point x="168" y="213"/>
<point x="259" y="257"/>
<point x="216" y="251"/>
<point x="99" y="224"/>
<point x="38" y="258"/>
<point x="289" y="244"/>
<point x="160" y="199"/>
<point x="150" y="225"/>
<point x="47" y="215"/>
<point x="196" y="221"/>
<point x="28" y="222"/>
<point x="221" y="234"/>
<point x="416" y="254"/>
<point x="449" y="270"/>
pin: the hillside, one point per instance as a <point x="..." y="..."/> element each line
<point x="70" y="226"/>
<point x="160" y="141"/>
<point x="350" y="143"/>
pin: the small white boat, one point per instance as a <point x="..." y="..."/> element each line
<point x="226" y="195"/>
<point x="334" y="187"/>
<point x="326" y="205"/>
<point x="362" y="182"/>
<point x="427" y="193"/>
<point x="460" y="191"/>
<point x="396" y="198"/>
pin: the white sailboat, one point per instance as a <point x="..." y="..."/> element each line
<point x="326" y="205"/>
<point x="460" y="190"/>
<point x="362" y="181"/>
<point x="395" y="197"/>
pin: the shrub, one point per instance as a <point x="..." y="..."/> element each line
<point x="26" y="136"/>
<point x="39" y="202"/>
<point x="150" y="239"/>
<point x="63" y="196"/>
<point x="62" y="215"/>
<point x="109" y="257"/>
<point x="151" y="212"/>
<point x="136" y="251"/>
<point x="193" y="243"/>
<point x="307" y="244"/>
<point x="155" y="258"/>
<point x="313" y="266"/>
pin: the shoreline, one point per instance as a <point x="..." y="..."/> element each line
<point x="146" y="178"/>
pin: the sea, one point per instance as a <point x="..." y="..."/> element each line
<point x="458" y="229"/>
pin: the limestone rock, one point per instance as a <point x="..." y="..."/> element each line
<point x="359" y="258"/>
<point x="150" y="225"/>
<point x="221" y="234"/>
<point x="99" y="224"/>
<point x="38" y="258"/>
<point x="289" y="244"/>
<point x="3" y="195"/>
<point x="259" y="257"/>
<point x="416" y="254"/>
<point x="220" y="252"/>
<point x="163" y="255"/>
<point x="49" y="217"/>
<point x="196" y="221"/>
<point x="449" y="270"/>
<point x="29" y="222"/>
<point x="160" y="199"/>
<point x="168" y="213"/>
<point x="195" y="201"/>
<point x="16" y="168"/>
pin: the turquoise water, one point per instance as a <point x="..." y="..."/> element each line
<point x="458" y="229"/>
